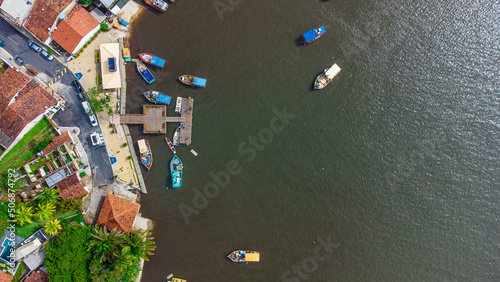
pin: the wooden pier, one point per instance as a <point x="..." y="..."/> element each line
<point x="186" y="126"/>
<point x="153" y="119"/>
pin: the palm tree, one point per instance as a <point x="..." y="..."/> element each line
<point x="141" y="245"/>
<point x="52" y="226"/>
<point x="49" y="196"/>
<point x="45" y="211"/>
<point x="105" y="244"/>
<point x="123" y="260"/>
<point x="24" y="215"/>
<point x="71" y="204"/>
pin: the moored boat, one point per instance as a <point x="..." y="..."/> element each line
<point x="157" y="97"/>
<point x="169" y="143"/>
<point x="176" y="138"/>
<point x="244" y="256"/>
<point x="145" y="153"/>
<point x="328" y="74"/>
<point x="152" y="60"/>
<point x="178" y="105"/>
<point x="159" y="5"/>
<point x="312" y="35"/>
<point x="193" y="80"/>
<point x="145" y="72"/>
<point x="176" y="172"/>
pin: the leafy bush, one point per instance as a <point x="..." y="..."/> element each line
<point x="50" y="51"/>
<point x="104" y="27"/>
<point x="82" y="174"/>
<point x="42" y="145"/>
<point x="86" y="2"/>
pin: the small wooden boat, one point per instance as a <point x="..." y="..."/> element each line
<point x="159" y="5"/>
<point x="312" y="35"/>
<point x="328" y="74"/>
<point x="157" y="97"/>
<point x="193" y="80"/>
<point x="244" y="256"/>
<point x="145" y="72"/>
<point x="194" y="153"/>
<point x="176" y="172"/>
<point x="176" y="138"/>
<point x="145" y="153"/>
<point x="122" y="22"/>
<point x="152" y="60"/>
<point x="178" y="105"/>
<point x="169" y="143"/>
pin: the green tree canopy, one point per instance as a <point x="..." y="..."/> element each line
<point x="52" y="227"/>
<point x="45" y="211"/>
<point x="49" y="196"/>
<point x="24" y="215"/>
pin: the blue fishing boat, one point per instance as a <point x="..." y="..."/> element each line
<point x="312" y="35"/>
<point x="157" y="97"/>
<point x="152" y="60"/>
<point x="176" y="172"/>
<point x="193" y="80"/>
<point x="122" y="22"/>
<point x="145" y="73"/>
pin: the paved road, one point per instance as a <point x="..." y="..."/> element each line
<point x="73" y="114"/>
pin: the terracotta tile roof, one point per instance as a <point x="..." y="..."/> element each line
<point x="57" y="142"/>
<point x="11" y="82"/>
<point x="41" y="18"/>
<point x="5" y="277"/>
<point x="71" y="188"/>
<point x="11" y="123"/>
<point x="117" y="213"/>
<point x="71" y="31"/>
<point x="37" y="276"/>
<point x="33" y="103"/>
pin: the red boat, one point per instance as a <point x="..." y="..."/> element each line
<point x="172" y="148"/>
<point x="159" y="5"/>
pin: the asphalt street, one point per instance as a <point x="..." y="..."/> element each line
<point x="73" y="114"/>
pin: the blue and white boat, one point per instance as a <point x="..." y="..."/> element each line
<point x="176" y="172"/>
<point x="312" y="35"/>
<point x="157" y="97"/>
<point x="193" y="80"/>
<point x="145" y="73"/>
<point x="152" y="60"/>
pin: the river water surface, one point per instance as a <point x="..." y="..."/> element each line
<point x="391" y="173"/>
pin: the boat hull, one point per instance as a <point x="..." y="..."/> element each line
<point x="326" y="77"/>
<point x="151" y="59"/>
<point x="312" y="35"/>
<point x="157" y="97"/>
<point x="150" y="3"/>
<point x="244" y="256"/>
<point x="145" y="73"/>
<point x="169" y="143"/>
<point x="193" y="80"/>
<point x="145" y="153"/>
<point x="176" y="172"/>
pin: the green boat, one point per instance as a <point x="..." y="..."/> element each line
<point x="176" y="172"/>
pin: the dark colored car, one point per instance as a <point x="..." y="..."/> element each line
<point x="35" y="47"/>
<point x="47" y="55"/>
<point x="19" y="60"/>
<point x="78" y="89"/>
<point x="2" y="43"/>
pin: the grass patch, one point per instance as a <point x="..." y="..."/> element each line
<point x="19" y="271"/>
<point x="28" y="229"/>
<point x="39" y="127"/>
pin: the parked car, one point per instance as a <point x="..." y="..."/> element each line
<point x="78" y="89"/>
<point x="2" y="43"/>
<point x="96" y="138"/>
<point x="19" y="60"/>
<point x="93" y="120"/>
<point x="35" y="47"/>
<point x="47" y="55"/>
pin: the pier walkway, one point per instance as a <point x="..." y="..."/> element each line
<point x="153" y="119"/>
<point x="186" y="126"/>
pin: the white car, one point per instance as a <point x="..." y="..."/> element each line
<point x="96" y="139"/>
<point x="93" y="120"/>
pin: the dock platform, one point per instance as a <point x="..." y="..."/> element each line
<point x="186" y="126"/>
<point x="153" y="119"/>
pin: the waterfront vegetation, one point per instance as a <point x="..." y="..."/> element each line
<point x="19" y="272"/>
<point x="86" y="253"/>
<point x="35" y="139"/>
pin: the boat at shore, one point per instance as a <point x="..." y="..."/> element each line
<point x="145" y="72"/>
<point x="176" y="138"/>
<point x="169" y="143"/>
<point x="312" y="35"/>
<point x="151" y="59"/>
<point x="244" y="256"/>
<point x="145" y="153"/>
<point x="328" y="74"/>
<point x="157" y="97"/>
<point x="176" y="172"/>
<point x="193" y="80"/>
<point x="159" y="5"/>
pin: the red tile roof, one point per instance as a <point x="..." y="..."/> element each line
<point x="33" y="103"/>
<point x="71" y="188"/>
<point x="43" y="16"/>
<point x="117" y="213"/>
<point x="37" y="276"/>
<point x="71" y="31"/>
<point x="11" y="82"/>
<point x="11" y="123"/>
<point x="57" y="142"/>
<point x="5" y="277"/>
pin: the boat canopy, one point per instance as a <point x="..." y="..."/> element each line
<point x="313" y="34"/>
<point x="143" y="148"/>
<point x="157" y="61"/>
<point x="332" y="71"/>
<point x="199" y="81"/>
<point x="163" y="99"/>
<point x="252" y="257"/>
